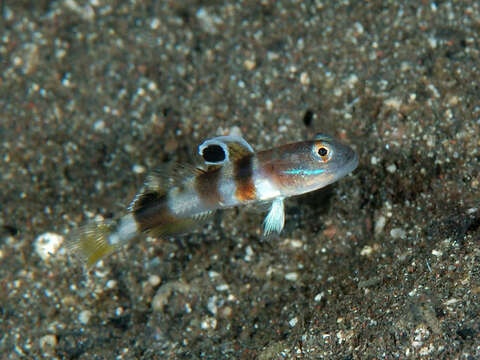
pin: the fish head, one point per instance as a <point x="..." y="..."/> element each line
<point x="333" y="157"/>
<point x="311" y="165"/>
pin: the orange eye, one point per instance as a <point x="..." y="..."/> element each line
<point x="323" y="152"/>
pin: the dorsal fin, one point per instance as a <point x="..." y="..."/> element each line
<point x="163" y="178"/>
<point x="219" y="150"/>
<point x="159" y="181"/>
<point x="320" y="136"/>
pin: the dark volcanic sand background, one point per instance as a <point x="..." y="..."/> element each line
<point x="385" y="263"/>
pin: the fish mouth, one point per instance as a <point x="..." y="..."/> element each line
<point x="348" y="163"/>
<point x="352" y="161"/>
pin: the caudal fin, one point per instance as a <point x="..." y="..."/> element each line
<point x="91" y="242"/>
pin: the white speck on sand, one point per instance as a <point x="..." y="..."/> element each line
<point x="47" y="244"/>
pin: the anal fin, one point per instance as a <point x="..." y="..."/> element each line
<point x="178" y="226"/>
<point x="259" y="207"/>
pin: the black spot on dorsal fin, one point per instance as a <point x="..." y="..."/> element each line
<point x="219" y="150"/>
<point x="214" y="154"/>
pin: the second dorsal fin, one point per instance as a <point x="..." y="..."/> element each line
<point x="219" y="150"/>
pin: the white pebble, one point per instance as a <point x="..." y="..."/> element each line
<point x="291" y="276"/>
<point x="319" y="296"/>
<point x="451" y="301"/>
<point x="293" y="322"/>
<point x="437" y="253"/>
<point x="85" y="11"/>
<point x="84" y="316"/>
<point x="235" y="131"/>
<point x="155" y="23"/>
<point x="352" y="80"/>
<point x="138" y="169"/>
<point x="48" y="342"/>
<point x="248" y="253"/>
<point x="394" y="103"/>
<point x="111" y="284"/>
<point x="222" y="287"/>
<point x="249" y="64"/>
<point x="207" y="21"/>
<point x="47" y="244"/>
<point x="304" y="78"/>
<point x="213" y="274"/>
<point x="17" y="61"/>
<point x="209" y="323"/>
<point x="366" y="251"/>
<point x="212" y="305"/>
<point x="358" y="28"/>
<point x="296" y="244"/>
<point x="99" y="125"/>
<point x="269" y="104"/>
<point x="380" y="225"/>
<point x="152" y="86"/>
<point x="154" y="280"/>
<point x="391" y="168"/>
<point x="398" y="233"/>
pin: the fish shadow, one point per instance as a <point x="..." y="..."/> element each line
<point x="305" y="210"/>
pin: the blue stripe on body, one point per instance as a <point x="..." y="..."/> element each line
<point x="304" y="172"/>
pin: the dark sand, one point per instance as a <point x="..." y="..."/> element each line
<point x="383" y="264"/>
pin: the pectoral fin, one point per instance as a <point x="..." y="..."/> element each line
<point x="275" y="218"/>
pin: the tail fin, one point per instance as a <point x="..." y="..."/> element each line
<point x="95" y="241"/>
<point x="91" y="242"/>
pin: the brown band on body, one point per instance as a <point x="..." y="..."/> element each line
<point x="243" y="176"/>
<point x="206" y="184"/>
<point x="150" y="211"/>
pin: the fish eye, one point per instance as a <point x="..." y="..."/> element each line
<point x="323" y="152"/>
<point x="213" y="154"/>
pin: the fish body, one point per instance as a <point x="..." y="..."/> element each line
<point x="230" y="174"/>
